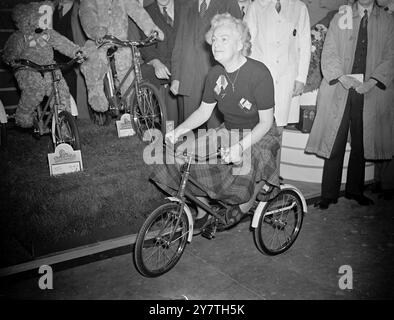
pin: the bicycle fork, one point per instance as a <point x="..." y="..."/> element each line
<point x="41" y="126"/>
<point x="56" y="79"/>
<point x="180" y="195"/>
<point x="183" y="207"/>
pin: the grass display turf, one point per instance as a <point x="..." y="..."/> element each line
<point x="41" y="214"/>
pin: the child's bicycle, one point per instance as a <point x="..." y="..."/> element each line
<point x="48" y="119"/>
<point x="165" y="233"/>
<point x="141" y="99"/>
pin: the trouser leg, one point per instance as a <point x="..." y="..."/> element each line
<point x="356" y="165"/>
<point x="181" y="109"/>
<point x="171" y="104"/>
<point x="280" y="131"/>
<point x="387" y="175"/>
<point x="332" y="170"/>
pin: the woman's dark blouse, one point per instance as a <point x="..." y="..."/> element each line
<point x="253" y="91"/>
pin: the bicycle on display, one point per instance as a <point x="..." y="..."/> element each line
<point x="165" y="233"/>
<point x="141" y="99"/>
<point x="48" y="118"/>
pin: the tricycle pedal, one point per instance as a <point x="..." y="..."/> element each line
<point x="209" y="231"/>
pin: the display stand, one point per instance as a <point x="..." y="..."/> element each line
<point x="64" y="160"/>
<point x="124" y="126"/>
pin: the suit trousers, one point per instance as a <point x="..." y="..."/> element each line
<point x="384" y="174"/>
<point x="332" y="172"/>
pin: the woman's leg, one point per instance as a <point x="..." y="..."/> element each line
<point x="245" y="207"/>
<point x="200" y="211"/>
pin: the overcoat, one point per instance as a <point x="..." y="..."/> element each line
<point x="337" y="59"/>
<point x="283" y="43"/>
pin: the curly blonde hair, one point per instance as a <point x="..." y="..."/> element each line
<point x="240" y="26"/>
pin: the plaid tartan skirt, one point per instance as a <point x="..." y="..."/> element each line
<point x="232" y="184"/>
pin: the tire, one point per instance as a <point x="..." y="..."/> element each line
<point x="68" y="131"/>
<point x="282" y="215"/>
<point x="151" y="243"/>
<point x="148" y="112"/>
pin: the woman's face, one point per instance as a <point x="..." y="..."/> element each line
<point x="226" y="43"/>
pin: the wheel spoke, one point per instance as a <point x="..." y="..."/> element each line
<point x="154" y="252"/>
<point x="147" y="114"/>
<point x="180" y="237"/>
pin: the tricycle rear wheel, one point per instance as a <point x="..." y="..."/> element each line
<point x="280" y="223"/>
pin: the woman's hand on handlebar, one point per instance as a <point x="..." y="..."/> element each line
<point x="232" y="154"/>
<point x="171" y="137"/>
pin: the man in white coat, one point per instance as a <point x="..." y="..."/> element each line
<point x="281" y="39"/>
<point x="244" y="5"/>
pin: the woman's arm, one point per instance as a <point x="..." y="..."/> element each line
<point x="234" y="153"/>
<point x="266" y="118"/>
<point x="196" y="119"/>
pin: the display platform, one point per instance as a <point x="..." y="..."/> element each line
<point x="297" y="165"/>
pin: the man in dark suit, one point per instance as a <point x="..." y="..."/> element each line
<point x="166" y="15"/>
<point x="62" y="23"/>
<point x="66" y="22"/>
<point x="192" y="58"/>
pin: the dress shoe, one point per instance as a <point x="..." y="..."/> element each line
<point x="360" y="198"/>
<point x="325" y="203"/>
<point x="387" y="194"/>
<point x="376" y="187"/>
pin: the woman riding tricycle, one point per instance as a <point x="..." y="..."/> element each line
<point x="224" y="191"/>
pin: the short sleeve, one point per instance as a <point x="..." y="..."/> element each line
<point x="264" y="90"/>
<point x="208" y="95"/>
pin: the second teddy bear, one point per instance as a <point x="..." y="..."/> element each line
<point x="100" y="18"/>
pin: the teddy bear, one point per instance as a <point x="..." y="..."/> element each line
<point x="35" y="40"/>
<point x="102" y="17"/>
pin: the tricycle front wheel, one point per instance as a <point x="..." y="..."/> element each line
<point x="161" y="240"/>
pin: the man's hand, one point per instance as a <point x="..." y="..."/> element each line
<point x="366" y="86"/>
<point x="348" y="82"/>
<point x="159" y="35"/>
<point x="174" y="87"/>
<point x="161" y="71"/>
<point x="298" y="88"/>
